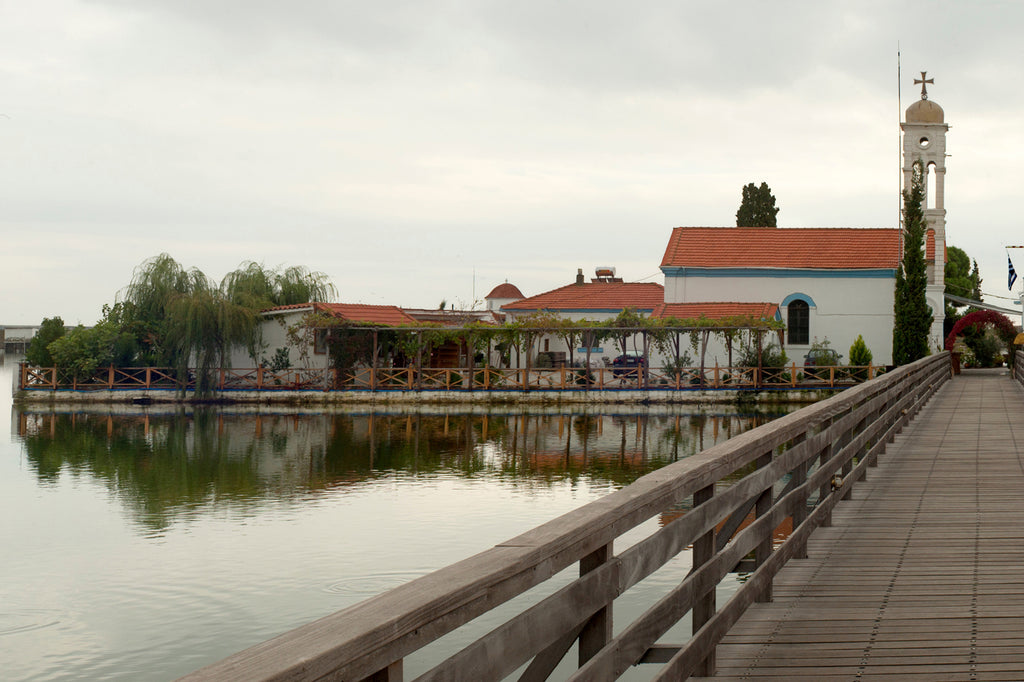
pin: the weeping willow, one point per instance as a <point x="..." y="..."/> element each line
<point x="255" y="286"/>
<point x="183" y="319"/>
<point x="201" y="329"/>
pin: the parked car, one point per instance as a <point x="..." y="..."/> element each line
<point x="822" y="357"/>
<point x="626" y="363"/>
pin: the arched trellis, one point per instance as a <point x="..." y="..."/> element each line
<point x="980" y="318"/>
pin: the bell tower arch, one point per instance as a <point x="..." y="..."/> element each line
<point x="924" y="139"/>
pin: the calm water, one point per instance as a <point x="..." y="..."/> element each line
<point x="143" y="543"/>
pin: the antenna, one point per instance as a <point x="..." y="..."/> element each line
<point x="899" y="137"/>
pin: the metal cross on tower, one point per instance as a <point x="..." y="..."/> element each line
<point x="924" y="84"/>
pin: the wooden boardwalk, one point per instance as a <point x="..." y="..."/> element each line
<point x="921" y="575"/>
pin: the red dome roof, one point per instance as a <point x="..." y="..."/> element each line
<point x="505" y="290"/>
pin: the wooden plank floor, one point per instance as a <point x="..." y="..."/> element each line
<point x="921" y="575"/>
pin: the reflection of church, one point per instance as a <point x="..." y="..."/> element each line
<point x="829" y="283"/>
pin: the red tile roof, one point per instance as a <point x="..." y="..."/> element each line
<point x="824" y="248"/>
<point x="505" y="290"/>
<point x="595" y="296"/>
<point x="716" y="311"/>
<point x="388" y="315"/>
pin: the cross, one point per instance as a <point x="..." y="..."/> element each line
<point x="924" y="84"/>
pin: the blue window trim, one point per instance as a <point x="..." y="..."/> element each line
<point x="799" y="296"/>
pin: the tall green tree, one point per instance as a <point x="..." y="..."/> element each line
<point x="757" y="208"/>
<point x="38" y="352"/>
<point x="913" y="316"/>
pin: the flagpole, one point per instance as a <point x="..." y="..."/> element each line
<point x="1012" y="274"/>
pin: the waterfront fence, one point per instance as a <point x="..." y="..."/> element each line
<point x="449" y="379"/>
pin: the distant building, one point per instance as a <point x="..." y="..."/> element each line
<point x="828" y="283"/>
<point x="603" y="298"/>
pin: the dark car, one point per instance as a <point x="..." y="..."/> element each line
<point x="625" y="364"/>
<point x="821" y="357"/>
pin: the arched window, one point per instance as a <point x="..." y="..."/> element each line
<point x="799" y="322"/>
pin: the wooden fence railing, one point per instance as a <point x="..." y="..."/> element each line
<point x="795" y="468"/>
<point x="464" y="379"/>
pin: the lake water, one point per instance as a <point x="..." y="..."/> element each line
<point x="141" y="543"/>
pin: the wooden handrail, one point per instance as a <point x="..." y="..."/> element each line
<point x="458" y="379"/>
<point x="839" y="436"/>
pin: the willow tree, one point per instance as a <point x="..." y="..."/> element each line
<point x="143" y="308"/>
<point x="256" y="286"/>
<point x="202" y="327"/>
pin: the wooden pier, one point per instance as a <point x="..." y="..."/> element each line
<point x="921" y="575"/>
<point x="793" y="472"/>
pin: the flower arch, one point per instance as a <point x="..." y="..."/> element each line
<point x="980" y="318"/>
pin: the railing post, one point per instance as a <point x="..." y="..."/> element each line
<point x="763" y="506"/>
<point x="598" y="630"/>
<point x="110" y="377"/>
<point x="704" y="607"/>
<point x="799" y="475"/>
<point x="826" y="488"/>
<point x="392" y="673"/>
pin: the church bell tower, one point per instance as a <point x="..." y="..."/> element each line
<point x="924" y="140"/>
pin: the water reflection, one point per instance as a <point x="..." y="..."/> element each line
<point x="164" y="463"/>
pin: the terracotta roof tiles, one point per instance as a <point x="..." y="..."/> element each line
<point x="505" y="290"/>
<point x="602" y="296"/>
<point x="826" y="248"/>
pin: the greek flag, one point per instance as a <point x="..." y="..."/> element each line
<point x="1012" y="276"/>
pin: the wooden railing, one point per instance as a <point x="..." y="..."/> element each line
<point x="431" y="379"/>
<point x="796" y="468"/>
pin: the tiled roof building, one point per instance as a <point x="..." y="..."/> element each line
<point x="600" y="298"/>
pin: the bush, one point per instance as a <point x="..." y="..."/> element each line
<point x="772" y="355"/>
<point x="38" y="352"/>
<point x="860" y="356"/>
<point x="82" y="351"/>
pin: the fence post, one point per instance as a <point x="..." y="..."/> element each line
<point x="704" y="606"/>
<point x="763" y="506"/>
<point x="110" y="377"/>
<point x="598" y="630"/>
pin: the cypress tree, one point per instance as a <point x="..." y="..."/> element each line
<point x="913" y="316"/>
<point x="757" y="207"/>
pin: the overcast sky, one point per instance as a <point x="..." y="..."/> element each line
<point x="423" y="150"/>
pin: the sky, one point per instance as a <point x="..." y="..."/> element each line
<point x="429" y="150"/>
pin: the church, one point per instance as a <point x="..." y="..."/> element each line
<point x="826" y="284"/>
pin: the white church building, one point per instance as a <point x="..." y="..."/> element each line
<point x="828" y="284"/>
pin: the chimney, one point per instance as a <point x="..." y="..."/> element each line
<point x="579" y="276"/>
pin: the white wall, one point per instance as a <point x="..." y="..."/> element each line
<point x="842" y="308"/>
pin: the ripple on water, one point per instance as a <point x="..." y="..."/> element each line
<point x="26" y="620"/>
<point x="373" y="584"/>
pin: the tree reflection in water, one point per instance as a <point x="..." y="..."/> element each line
<point x="163" y="464"/>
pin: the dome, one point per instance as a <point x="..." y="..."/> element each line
<point x="924" y="111"/>
<point x="505" y="290"/>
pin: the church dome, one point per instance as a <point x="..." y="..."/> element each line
<point x="505" y="290"/>
<point x="925" y="111"/>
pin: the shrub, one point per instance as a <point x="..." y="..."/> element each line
<point x="38" y="352"/>
<point x="860" y="356"/>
